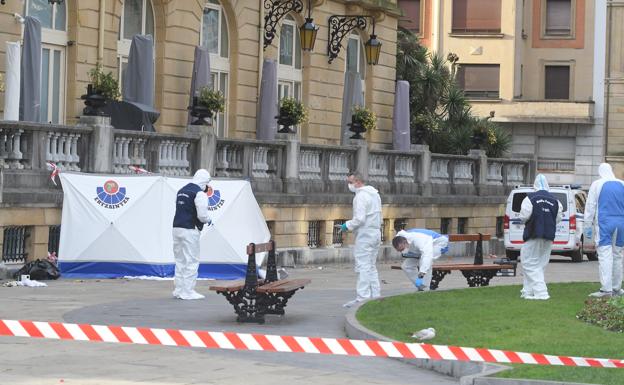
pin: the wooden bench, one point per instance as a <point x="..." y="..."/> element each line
<point x="251" y="297"/>
<point x="476" y="273"/>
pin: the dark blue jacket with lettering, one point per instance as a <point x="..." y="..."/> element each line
<point x="186" y="213"/>
<point x="543" y="221"/>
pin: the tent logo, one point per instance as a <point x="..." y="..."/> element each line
<point x="214" y="199"/>
<point x="111" y="196"/>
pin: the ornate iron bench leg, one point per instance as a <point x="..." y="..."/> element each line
<point x="274" y="303"/>
<point x="437" y="277"/>
<point x="476" y="278"/>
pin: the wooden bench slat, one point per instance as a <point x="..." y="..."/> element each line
<point x="260" y="247"/>
<point x="462" y="266"/>
<point x="229" y="286"/>
<point x="283" y="285"/>
<point x="468" y="237"/>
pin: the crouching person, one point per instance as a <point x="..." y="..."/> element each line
<point x="419" y="247"/>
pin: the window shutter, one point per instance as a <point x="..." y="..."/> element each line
<point x="476" y="16"/>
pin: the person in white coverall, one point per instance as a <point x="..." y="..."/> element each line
<point x="604" y="212"/>
<point x="540" y="212"/>
<point x="420" y="247"/>
<point x="366" y="224"/>
<point x="190" y="216"/>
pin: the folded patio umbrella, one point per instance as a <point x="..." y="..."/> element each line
<point x="351" y="96"/>
<point x="138" y="80"/>
<point x="12" y="81"/>
<point x="30" y="95"/>
<point x="401" y="120"/>
<point x="201" y="73"/>
<point x="266" y="124"/>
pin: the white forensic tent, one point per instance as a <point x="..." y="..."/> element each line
<point x="116" y="226"/>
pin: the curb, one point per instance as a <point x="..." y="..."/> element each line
<point x="468" y="373"/>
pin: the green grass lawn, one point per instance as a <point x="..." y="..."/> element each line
<point x="496" y="317"/>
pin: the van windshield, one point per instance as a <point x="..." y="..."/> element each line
<point x="518" y="197"/>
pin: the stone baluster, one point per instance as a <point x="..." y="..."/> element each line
<point x="259" y="164"/>
<point x="185" y="164"/>
<point x="462" y="172"/>
<point x="495" y="173"/>
<point x="404" y="171"/>
<point x="338" y="166"/>
<point x="439" y="170"/>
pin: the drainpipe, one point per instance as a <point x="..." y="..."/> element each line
<point x="260" y="46"/>
<point x="101" y="32"/>
<point x="436" y="40"/>
<point x="608" y="79"/>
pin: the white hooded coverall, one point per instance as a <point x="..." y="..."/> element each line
<point x="424" y="247"/>
<point x="366" y="224"/>
<point x="186" y="244"/>
<point x="605" y="211"/>
<point x="535" y="253"/>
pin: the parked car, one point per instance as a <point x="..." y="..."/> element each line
<point x="569" y="240"/>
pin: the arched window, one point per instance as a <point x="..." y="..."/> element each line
<point x="53" y="20"/>
<point x="356" y="59"/>
<point x="214" y="36"/>
<point x="289" y="71"/>
<point x="137" y="18"/>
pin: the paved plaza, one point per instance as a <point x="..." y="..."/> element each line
<point x="315" y="311"/>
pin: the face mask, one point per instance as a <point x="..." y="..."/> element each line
<point x="351" y="187"/>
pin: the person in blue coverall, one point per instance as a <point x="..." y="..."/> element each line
<point x="604" y="217"/>
<point x="419" y="247"/>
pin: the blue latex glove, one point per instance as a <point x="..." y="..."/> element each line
<point x="344" y="228"/>
<point x="588" y="232"/>
<point x="419" y="283"/>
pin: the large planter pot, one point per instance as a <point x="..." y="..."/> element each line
<point x="200" y="113"/>
<point x="357" y="128"/>
<point x="478" y="140"/>
<point x="286" y="121"/>
<point x="419" y="135"/>
<point x="94" y="102"/>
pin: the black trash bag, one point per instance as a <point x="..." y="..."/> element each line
<point x="39" y="270"/>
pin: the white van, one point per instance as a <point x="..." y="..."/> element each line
<point x="569" y="236"/>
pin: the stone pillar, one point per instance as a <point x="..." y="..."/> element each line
<point x="424" y="173"/>
<point x="480" y="172"/>
<point x="361" y="157"/>
<point x="206" y="151"/>
<point x="291" y="162"/>
<point x="37" y="243"/>
<point x="101" y="144"/>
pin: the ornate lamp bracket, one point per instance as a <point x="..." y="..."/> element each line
<point x="275" y="10"/>
<point x="339" y="27"/>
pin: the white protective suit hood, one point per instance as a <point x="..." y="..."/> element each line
<point x="368" y="189"/>
<point x="606" y="172"/>
<point x="202" y="178"/>
<point x="541" y="183"/>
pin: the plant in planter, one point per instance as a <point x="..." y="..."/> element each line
<point x="103" y="87"/>
<point x="208" y="103"/>
<point x="291" y="113"/>
<point x="362" y="120"/>
<point x="479" y="134"/>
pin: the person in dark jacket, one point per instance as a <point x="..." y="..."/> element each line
<point x="540" y="212"/>
<point x="190" y="216"/>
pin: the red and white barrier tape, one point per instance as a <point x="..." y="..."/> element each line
<point x="289" y="344"/>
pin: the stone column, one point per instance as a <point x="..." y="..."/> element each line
<point x="101" y="143"/>
<point x="424" y="173"/>
<point x="291" y="162"/>
<point x="206" y="151"/>
<point x="480" y="172"/>
<point x="361" y="157"/>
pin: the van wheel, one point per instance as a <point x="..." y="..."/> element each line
<point x="577" y="255"/>
<point x="592" y="256"/>
<point x="512" y="255"/>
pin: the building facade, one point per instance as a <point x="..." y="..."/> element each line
<point x="537" y="64"/>
<point x="299" y="182"/>
<point x="614" y="83"/>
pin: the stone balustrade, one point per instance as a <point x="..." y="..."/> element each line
<point x="159" y="153"/>
<point x="28" y="146"/>
<point x="282" y="166"/>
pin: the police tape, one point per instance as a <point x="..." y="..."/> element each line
<point x="287" y="344"/>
